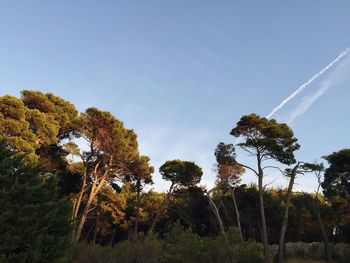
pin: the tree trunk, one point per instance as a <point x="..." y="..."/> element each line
<point x="217" y="214"/>
<point x="137" y="207"/>
<point x="84" y="216"/>
<point x="80" y="197"/>
<point x="327" y="250"/>
<point x="262" y="212"/>
<point x="98" y="218"/>
<point x="96" y="187"/>
<point x="237" y="212"/>
<point x="281" y="246"/>
<point x="150" y="231"/>
<point x="111" y="242"/>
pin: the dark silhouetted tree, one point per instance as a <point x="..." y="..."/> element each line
<point x="34" y="222"/>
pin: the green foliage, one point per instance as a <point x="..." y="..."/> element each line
<point x="35" y="124"/>
<point x="191" y="207"/>
<point x="34" y="223"/>
<point x="15" y="127"/>
<point x="225" y="153"/>
<point x="337" y="175"/>
<point x="180" y="245"/>
<point x="228" y="172"/>
<point x="268" y="136"/>
<point x="140" y="171"/>
<point x="108" y="139"/>
<point x="180" y="172"/>
<point x="62" y="111"/>
<point x="341" y="252"/>
<point x="43" y="126"/>
<point x="336" y="187"/>
<point x="145" y="250"/>
<point x="251" y="252"/>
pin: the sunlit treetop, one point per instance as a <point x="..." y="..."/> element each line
<point x="15" y="127"/>
<point x="107" y="137"/>
<point x="268" y="138"/>
<point x="182" y="173"/>
<point x="62" y="111"/>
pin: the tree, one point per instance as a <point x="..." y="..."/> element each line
<point x="111" y="147"/>
<point x="299" y="168"/>
<point x="316" y="209"/>
<point x="34" y="223"/>
<point x="180" y="174"/>
<point x="139" y="172"/>
<point x="36" y="124"/>
<point x="336" y="188"/>
<point x="265" y="140"/>
<point x="15" y="127"/>
<point x="337" y="175"/>
<point x="229" y="174"/>
<point x="62" y="111"/>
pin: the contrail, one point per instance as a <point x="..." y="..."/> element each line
<point x="307" y="83"/>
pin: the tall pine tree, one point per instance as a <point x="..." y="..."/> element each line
<point x="34" y="223"/>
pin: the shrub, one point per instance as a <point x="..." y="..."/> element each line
<point x="144" y="250"/>
<point x="179" y="245"/>
<point x="341" y="253"/>
<point x="250" y="252"/>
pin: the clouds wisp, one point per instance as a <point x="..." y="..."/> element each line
<point x="307" y="83"/>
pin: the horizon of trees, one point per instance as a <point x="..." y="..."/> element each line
<point x="104" y="184"/>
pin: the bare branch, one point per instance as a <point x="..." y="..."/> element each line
<point x="271" y="182"/>
<point x="273" y="167"/>
<point x="247" y="167"/>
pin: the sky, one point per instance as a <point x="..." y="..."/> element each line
<point x="182" y="73"/>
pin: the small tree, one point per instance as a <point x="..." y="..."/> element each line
<point x="291" y="173"/>
<point x="139" y="172"/>
<point x="316" y="208"/>
<point x="34" y="223"/>
<point x="228" y="174"/>
<point x="180" y="174"/>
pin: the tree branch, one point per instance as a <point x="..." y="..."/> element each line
<point x="274" y="167"/>
<point x="247" y="167"/>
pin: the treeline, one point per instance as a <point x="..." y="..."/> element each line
<point x="69" y="177"/>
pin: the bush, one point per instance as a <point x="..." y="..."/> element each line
<point x="144" y="250"/>
<point x="341" y="253"/>
<point x="178" y="246"/>
<point x="251" y="252"/>
<point x="181" y="245"/>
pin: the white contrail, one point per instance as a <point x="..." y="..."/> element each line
<point x="307" y="102"/>
<point x="304" y="85"/>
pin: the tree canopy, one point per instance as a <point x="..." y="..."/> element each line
<point x="337" y="175"/>
<point x="34" y="223"/>
<point x="182" y="173"/>
<point x="267" y="137"/>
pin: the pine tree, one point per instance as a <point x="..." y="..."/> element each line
<point x="34" y="223"/>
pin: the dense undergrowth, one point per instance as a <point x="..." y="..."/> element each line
<point x="179" y="245"/>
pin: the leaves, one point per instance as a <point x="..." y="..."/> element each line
<point x="267" y="137"/>
<point x="34" y="222"/>
<point x="183" y="173"/>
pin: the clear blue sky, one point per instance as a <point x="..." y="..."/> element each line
<point x="181" y="73"/>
